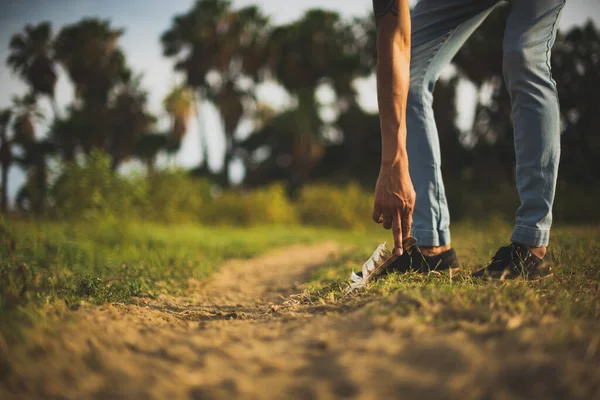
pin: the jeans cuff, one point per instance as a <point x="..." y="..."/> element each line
<point x="530" y="236"/>
<point x="428" y="237"/>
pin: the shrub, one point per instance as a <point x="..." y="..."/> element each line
<point x="343" y="207"/>
<point x="175" y="197"/>
<point x="267" y="205"/>
<point x="91" y="190"/>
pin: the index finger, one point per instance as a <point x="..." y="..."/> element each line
<point x="406" y="224"/>
<point x="397" y="232"/>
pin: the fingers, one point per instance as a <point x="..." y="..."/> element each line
<point x="377" y="215"/>
<point x="406" y="224"/>
<point x="388" y="221"/>
<point x="397" y="233"/>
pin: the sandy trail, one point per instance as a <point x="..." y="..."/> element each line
<point x="232" y="338"/>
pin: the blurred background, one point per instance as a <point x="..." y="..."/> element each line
<point x="263" y="111"/>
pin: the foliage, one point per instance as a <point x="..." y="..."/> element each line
<point x="89" y="52"/>
<point x="347" y="207"/>
<point x="225" y="54"/>
<point x="91" y="190"/>
<point x="292" y="141"/>
<point x="221" y="51"/>
<point x="268" y="205"/>
<point x="178" y="104"/>
<point x="576" y="70"/>
<point x="31" y="57"/>
<point x="175" y="197"/>
<point x="6" y="158"/>
<point x="319" y="48"/>
<point x="129" y="121"/>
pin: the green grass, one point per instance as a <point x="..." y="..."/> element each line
<point x="571" y="296"/>
<point x="47" y="268"/>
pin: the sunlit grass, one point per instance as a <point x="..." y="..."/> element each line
<point x="47" y="268"/>
<point x="571" y="294"/>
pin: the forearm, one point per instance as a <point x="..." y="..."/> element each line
<point x="393" y="76"/>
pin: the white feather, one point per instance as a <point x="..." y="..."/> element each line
<point x="367" y="268"/>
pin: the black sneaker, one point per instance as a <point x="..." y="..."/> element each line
<point x="514" y="261"/>
<point x="419" y="262"/>
<point x="412" y="260"/>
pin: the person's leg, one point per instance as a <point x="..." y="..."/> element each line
<point x="439" y="29"/>
<point x="529" y="36"/>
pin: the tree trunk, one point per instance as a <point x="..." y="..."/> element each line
<point x="202" y="132"/>
<point x="115" y="162"/>
<point x="229" y="146"/>
<point x="150" y="166"/>
<point x="54" y="106"/>
<point x="5" y="161"/>
<point x="69" y="153"/>
<point x="4" y="190"/>
<point x="39" y="197"/>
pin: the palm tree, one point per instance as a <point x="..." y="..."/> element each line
<point x="148" y="148"/>
<point x="33" y="153"/>
<point x="179" y="105"/>
<point x="217" y="48"/>
<point x="129" y="121"/>
<point x="34" y="161"/>
<point x="89" y="53"/>
<point x="31" y="57"/>
<point x="64" y="134"/>
<point x="317" y="48"/>
<point x="576" y="69"/>
<point x="293" y="151"/>
<point x="193" y="42"/>
<point x="26" y="112"/>
<point x="5" y="158"/>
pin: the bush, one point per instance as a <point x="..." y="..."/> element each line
<point x="175" y="197"/>
<point x="268" y="205"/>
<point x="343" y="207"/>
<point x="91" y="190"/>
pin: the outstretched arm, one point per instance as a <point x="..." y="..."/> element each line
<point x="394" y="192"/>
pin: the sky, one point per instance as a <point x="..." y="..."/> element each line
<point x="145" y="20"/>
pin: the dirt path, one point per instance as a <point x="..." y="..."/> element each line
<point x="233" y="338"/>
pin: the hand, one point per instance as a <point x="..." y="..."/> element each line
<point x="395" y="202"/>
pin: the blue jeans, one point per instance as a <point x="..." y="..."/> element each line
<point x="439" y="29"/>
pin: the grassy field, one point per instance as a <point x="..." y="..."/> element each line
<point x="568" y="301"/>
<point x="49" y="268"/>
<point x="282" y="320"/>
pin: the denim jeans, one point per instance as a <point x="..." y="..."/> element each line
<point x="439" y="29"/>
